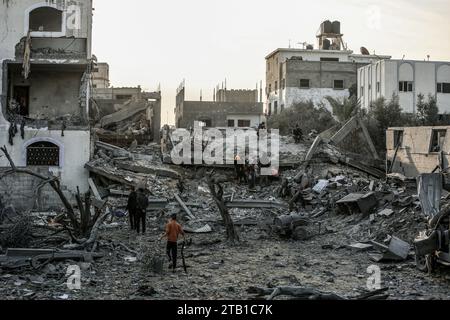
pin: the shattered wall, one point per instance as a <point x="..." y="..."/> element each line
<point x="75" y="152"/>
<point x="52" y="93"/>
<point x="22" y="191"/>
<point x="415" y="154"/>
<point x="58" y="62"/>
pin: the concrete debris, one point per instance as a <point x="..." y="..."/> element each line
<point x="356" y="202"/>
<point x="397" y="250"/>
<point x="303" y="207"/>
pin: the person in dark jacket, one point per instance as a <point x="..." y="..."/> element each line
<point x="131" y="207"/>
<point x="141" y="209"/>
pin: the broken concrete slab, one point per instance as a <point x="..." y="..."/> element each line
<point x="148" y="169"/>
<point x="259" y="204"/>
<point x="205" y="229"/>
<point x="360" y="247"/>
<point x="430" y="192"/>
<point x="184" y="206"/>
<point x="397" y="250"/>
<point x="320" y="186"/>
<point x="357" y="203"/>
<point x="386" y="212"/>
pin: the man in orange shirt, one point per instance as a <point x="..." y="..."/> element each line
<point x="173" y="230"/>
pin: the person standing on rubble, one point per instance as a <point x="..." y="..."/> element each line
<point x="298" y="134"/>
<point x="141" y="209"/>
<point x="131" y="207"/>
<point x="173" y="231"/>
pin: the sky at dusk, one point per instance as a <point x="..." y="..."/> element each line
<point x="206" y="41"/>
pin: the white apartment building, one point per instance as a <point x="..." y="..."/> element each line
<point x="407" y="79"/>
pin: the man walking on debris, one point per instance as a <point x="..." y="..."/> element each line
<point x="141" y="209"/>
<point x="173" y="230"/>
<point x="298" y="134"/>
<point x="131" y="207"/>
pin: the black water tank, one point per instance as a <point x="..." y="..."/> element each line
<point x="336" y="27"/>
<point x="327" y="27"/>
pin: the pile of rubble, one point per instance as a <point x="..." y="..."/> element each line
<point x="331" y="196"/>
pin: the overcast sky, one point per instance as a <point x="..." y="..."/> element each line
<point x="206" y="41"/>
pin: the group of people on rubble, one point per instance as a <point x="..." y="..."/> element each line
<point x="248" y="172"/>
<point x="137" y="212"/>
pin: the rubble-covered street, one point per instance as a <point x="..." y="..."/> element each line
<point x="331" y="253"/>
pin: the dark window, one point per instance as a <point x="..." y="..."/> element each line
<point x="330" y="59"/>
<point x="21" y="103"/>
<point x="437" y="140"/>
<point x="270" y="109"/>
<point x="45" y="19"/>
<point x="362" y="91"/>
<point x="338" y="84"/>
<point x="43" y="154"/>
<point x="378" y="86"/>
<point x="207" y="122"/>
<point x="244" y="123"/>
<point x="231" y="123"/>
<point x="275" y="107"/>
<point x="95" y="70"/>
<point x="405" y="86"/>
<point x="270" y="88"/>
<point x="124" y="96"/>
<point x="304" y="83"/>
<point x="276" y="87"/>
<point x="443" y="87"/>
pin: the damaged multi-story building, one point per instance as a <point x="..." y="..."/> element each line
<point x="230" y="108"/>
<point x="309" y="74"/>
<point x="131" y="113"/>
<point x="45" y="74"/>
<point x="406" y="79"/>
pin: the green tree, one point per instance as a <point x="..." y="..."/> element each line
<point x="305" y="114"/>
<point x="344" y="110"/>
<point x="427" y="111"/>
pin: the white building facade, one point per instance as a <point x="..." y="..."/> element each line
<point x="405" y="79"/>
<point x="45" y="58"/>
<point x="302" y="75"/>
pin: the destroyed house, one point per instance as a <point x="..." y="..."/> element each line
<point x="230" y="108"/>
<point x="45" y="95"/>
<point x="418" y="150"/>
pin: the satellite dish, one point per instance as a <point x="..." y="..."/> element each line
<point x="364" y="51"/>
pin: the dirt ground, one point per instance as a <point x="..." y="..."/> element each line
<point x="217" y="270"/>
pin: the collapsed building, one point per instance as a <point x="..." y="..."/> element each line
<point x="45" y="95"/>
<point x="418" y="150"/>
<point x="300" y="75"/>
<point x="230" y="108"/>
<point x="125" y="114"/>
